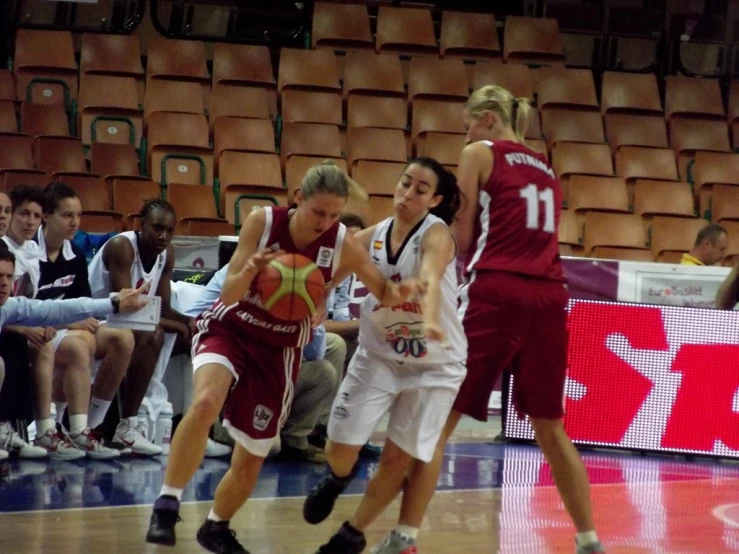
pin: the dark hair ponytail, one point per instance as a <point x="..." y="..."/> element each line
<point x="446" y="186"/>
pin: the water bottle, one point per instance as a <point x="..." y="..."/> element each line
<point x="144" y="425"/>
<point x="163" y="428"/>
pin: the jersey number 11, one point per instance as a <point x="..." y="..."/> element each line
<point x="534" y="198"/>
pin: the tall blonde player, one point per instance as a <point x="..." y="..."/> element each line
<point x="410" y="359"/>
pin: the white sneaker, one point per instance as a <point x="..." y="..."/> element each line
<point x="128" y="437"/>
<point x="58" y="446"/>
<point x="12" y="443"/>
<point x="91" y="443"/>
<point x="215" y="449"/>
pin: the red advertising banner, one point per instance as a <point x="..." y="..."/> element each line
<point x="644" y="377"/>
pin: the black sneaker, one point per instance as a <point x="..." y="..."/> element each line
<point x="318" y="437"/>
<point x="163" y="519"/>
<point x="216" y="536"/>
<point x="320" y="502"/>
<point x="347" y="541"/>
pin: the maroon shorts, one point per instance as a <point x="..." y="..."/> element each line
<point x="259" y="401"/>
<point x="515" y="323"/>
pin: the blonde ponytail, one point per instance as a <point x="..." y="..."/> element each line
<point x="515" y="112"/>
<point x="328" y="177"/>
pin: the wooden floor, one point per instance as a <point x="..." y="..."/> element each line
<point x="491" y="499"/>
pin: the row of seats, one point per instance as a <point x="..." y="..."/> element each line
<point x="630" y="237"/>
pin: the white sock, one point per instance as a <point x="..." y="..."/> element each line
<point x="213" y="517"/>
<point x="60" y="407"/>
<point x="586" y="537"/>
<point x="171" y="491"/>
<point x="407" y="531"/>
<point x="132" y="421"/>
<point x="97" y="411"/>
<point x="77" y="423"/>
<point x="43" y="425"/>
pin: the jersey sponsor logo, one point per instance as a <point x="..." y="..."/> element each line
<point x="407" y="307"/>
<point x="262" y="417"/>
<point x="340" y="412"/>
<point x="276" y="327"/>
<point x="65" y="281"/>
<point x="325" y="255"/>
<point x="407" y="339"/>
<point x="515" y="158"/>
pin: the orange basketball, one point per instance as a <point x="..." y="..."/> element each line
<point x="291" y="287"/>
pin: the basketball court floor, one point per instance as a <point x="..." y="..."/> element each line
<point x="491" y="498"/>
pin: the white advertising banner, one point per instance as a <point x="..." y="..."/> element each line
<point x="669" y="285"/>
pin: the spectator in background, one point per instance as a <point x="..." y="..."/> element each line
<point x="6" y="211"/>
<point x="709" y="248"/>
<point x="127" y="260"/>
<point x="64" y="275"/>
<point x="68" y="353"/>
<point x="340" y="319"/>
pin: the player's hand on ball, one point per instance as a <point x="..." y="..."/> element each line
<point x="434" y="332"/>
<point x="260" y="259"/>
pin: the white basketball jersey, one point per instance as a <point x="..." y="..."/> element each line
<point x="100" y="278"/>
<point x="397" y="333"/>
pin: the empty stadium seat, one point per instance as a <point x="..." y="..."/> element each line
<point x="725" y="203"/>
<point x="310" y="139"/>
<point x="16" y="152"/>
<point x="447" y="147"/>
<point x="437" y="79"/>
<point x="369" y="73"/>
<point x="433" y="115"/>
<point x="512" y="77"/>
<point x="193" y="203"/>
<point x="589" y="193"/>
<point x="109" y="110"/>
<point x="571" y="125"/>
<point x="635" y="130"/>
<point x="178" y="60"/>
<point x="113" y="55"/>
<point x="532" y="41"/>
<point x="570" y="232"/>
<point x="44" y="119"/>
<point x="238" y="101"/>
<point x="407" y="30"/>
<point x="560" y="87"/>
<point x="671" y="198"/>
<point x="688" y="96"/>
<point x="173" y="96"/>
<point x="241" y="64"/>
<point x="249" y="173"/>
<point x="307" y="70"/>
<point x="243" y="135"/>
<point x="571" y="158"/>
<point x="366" y="143"/>
<point x="470" y="36"/>
<point x="178" y="149"/>
<point x="7" y="85"/>
<point x="615" y="231"/>
<point x="8" y="117"/>
<point x="634" y="162"/>
<point x="713" y="168"/>
<point x="45" y="68"/>
<point x="377" y="111"/>
<point x="311" y="107"/>
<point x="56" y="155"/>
<point x="341" y="27"/>
<point x="297" y="166"/>
<point x="630" y="93"/>
<point x="689" y="136"/>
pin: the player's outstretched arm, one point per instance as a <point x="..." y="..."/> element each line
<point x="247" y="259"/>
<point x="475" y="166"/>
<point x="438" y="250"/>
<point x="355" y="259"/>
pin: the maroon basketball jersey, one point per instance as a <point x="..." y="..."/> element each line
<point x="250" y="314"/>
<point x="518" y="216"/>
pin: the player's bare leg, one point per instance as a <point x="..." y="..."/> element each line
<point x="570" y="477"/>
<point x="381" y="490"/>
<point x="231" y="494"/>
<point x="211" y="385"/>
<point x="342" y="460"/>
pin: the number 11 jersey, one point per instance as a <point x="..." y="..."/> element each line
<point x="517" y="222"/>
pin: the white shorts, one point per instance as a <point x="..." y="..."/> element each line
<point x="58" y="338"/>
<point x="419" y="397"/>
